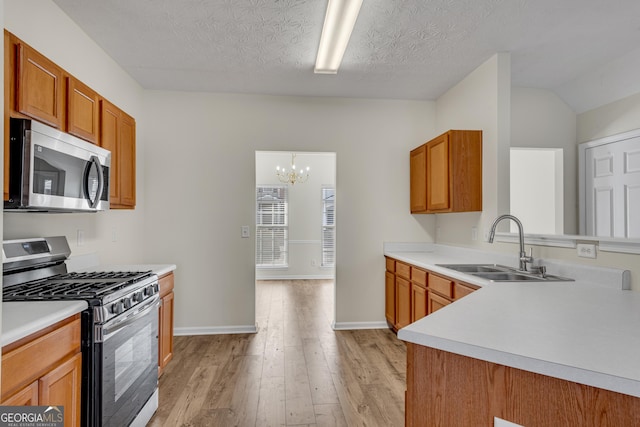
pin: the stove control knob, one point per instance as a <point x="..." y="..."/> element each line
<point x="138" y="296"/>
<point x="117" y="307"/>
<point x="127" y="303"/>
<point x="151" y="290"/>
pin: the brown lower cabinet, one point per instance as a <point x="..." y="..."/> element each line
<point x="165" y="322"/>
<point x="446" y="389"/>
<point x="412" y="292"/>
<point x="45" y="369"/>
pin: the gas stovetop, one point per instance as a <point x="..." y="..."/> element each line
<point x="87" y="285"/>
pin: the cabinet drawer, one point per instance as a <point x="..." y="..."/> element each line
<point x="441" y="285"/>
<point x="403" y="270"/>
<point x="391" y="265"/>
<point x="23" y="364"/>
<point x="419" y="277"/>
<point x="460" y="290"/>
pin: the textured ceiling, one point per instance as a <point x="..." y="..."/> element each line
<point x="412" y="49"/>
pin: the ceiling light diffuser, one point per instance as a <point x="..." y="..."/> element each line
<point x="338" y="24"/>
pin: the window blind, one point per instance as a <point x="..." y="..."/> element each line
<point x="272" y="220"/>
<point x="328" y="226"/>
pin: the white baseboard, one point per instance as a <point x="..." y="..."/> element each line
<point x="216" y="330"/>
<point x="349" y="326"/>
<point x="298" y="277"/>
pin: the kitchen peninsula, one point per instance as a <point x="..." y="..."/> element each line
<point x="544" y="353"/>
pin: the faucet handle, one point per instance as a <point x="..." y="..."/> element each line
<point x="540" y="270"/>
<point x="527" y="258"/>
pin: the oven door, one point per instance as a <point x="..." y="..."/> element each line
<point x="129" y="363"/>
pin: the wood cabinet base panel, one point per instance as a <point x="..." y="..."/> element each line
<point x="446" y="389"/>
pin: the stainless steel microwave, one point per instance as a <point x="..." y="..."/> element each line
<point x="50" y="170"/>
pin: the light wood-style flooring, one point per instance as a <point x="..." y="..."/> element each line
<point x="296" y="371"/>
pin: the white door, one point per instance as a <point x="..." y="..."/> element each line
<point x="612" y="189"/>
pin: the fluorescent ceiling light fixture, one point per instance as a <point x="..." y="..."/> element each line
<point x="338" y="24"/>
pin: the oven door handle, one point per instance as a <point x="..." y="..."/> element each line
<point x="106" y="331"/>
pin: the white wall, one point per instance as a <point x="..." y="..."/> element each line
<point x="305" y="211"/>
<point x="480" y="101"/>
<point x="537" y="189"/>
<point x="609" y="119"/>
<point x="539" y="118"/>
<point x="200" y="186"/>
<point x="41" y="24"/>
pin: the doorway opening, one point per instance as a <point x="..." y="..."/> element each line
<point x="295" y="237"/>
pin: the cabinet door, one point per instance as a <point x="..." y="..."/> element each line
<point x="82" y="111"/>
<point x="165" y="353"/>
<point x="61" y="387"/>
<point x="418" y="302"/>
<point x="436" y="302"/>
<point x="118" y="135"/>
<point x="109" y="131"/>
<point x="127" y="160"/>
<point x="39" y="87"/>
<point x="403" y="302"/>
<point x="9" y="78"/>
<point x="418" y="179"/>
<point x="438" y="174"/>
<point x="28" y="396"/>
<point x="390" y="297"/>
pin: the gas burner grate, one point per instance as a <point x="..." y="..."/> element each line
<point x="73" y="286"/>
<point x="102" y="275"/>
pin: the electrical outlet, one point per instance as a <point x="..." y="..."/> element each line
<point x="586" y="250"/>
<point x="114" y="235"/>
<point x="244" y="231"/>
<point x="80" y="237"/>
<point x="314" y="263"/>
<point x="474" y="233"/>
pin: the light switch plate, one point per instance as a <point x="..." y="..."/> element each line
<point x="244" y="231"/>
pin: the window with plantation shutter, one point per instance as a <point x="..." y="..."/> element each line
<point x="328" y="226"/>
<point x="272" y="220"/>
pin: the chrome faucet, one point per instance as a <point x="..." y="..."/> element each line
<point x="524" y="259"/>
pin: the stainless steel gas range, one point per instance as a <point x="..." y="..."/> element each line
<point x="119" y="329"/>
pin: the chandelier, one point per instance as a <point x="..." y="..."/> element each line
<point x="292" y="176"/>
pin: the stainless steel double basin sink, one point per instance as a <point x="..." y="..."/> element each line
<point x="501" y="273"/>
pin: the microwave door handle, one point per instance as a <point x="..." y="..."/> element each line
<point x="93" y="161"/>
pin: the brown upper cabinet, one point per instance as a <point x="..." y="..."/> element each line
<point x="446" y="173"/>
<point x="118" y="135"/>
<point x="37" y="88"/>
<point x="82" y="110"/>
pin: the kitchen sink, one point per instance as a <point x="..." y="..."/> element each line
<point x="501" y="273"/>
<point x="475" y="268"/>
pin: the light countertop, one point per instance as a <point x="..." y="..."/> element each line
<point x="577" y="331"/>
<point x="20" y="319"/>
